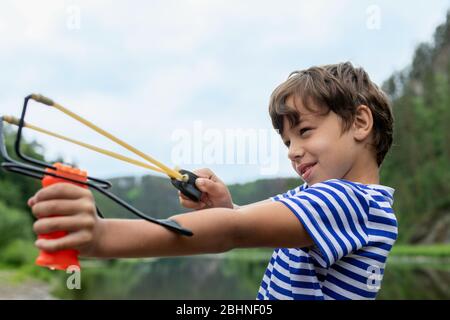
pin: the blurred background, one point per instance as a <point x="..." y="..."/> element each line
<point x="188" y="82"/>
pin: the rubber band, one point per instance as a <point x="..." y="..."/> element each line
<point x="170" y="172"/>
<point x="15" y="121"/>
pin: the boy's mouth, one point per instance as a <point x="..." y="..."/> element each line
<point x="305" y="169"/>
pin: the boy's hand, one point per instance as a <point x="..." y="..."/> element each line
<point x="75" y="212"/>
<point x="215" y="192"/>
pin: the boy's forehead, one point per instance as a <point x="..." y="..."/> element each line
<point x="296" y="103"/>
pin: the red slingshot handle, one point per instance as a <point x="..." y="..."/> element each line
<point x="62" y="259"/>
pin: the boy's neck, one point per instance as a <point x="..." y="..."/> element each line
<point x="365" y="170"/>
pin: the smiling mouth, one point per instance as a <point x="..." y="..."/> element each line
<point x="306" y="171"/>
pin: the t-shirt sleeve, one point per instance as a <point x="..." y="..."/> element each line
<point x="335" y="215"/>
<point x="288" y="193"/>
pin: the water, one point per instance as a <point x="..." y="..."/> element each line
<point x="213" y="277"/>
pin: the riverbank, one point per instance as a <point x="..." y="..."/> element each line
<point x="13" y="287"/>
<point x="31" y="282"/>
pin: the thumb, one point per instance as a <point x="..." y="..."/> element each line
<point x="208" y="186"/>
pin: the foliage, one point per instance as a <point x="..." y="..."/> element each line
<point x="437" y="250"/>
<point x="418" y="164"/>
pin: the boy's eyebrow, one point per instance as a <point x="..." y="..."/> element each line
<point x="301" y="118"/>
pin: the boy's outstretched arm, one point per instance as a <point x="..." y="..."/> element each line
<point x="215" y="230"/>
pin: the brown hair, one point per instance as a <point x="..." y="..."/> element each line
<point x="340" y="88"/>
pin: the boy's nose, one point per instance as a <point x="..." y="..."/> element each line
<point x="295" y="153"/>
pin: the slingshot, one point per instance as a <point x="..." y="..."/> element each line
<point x="183" y="180"/>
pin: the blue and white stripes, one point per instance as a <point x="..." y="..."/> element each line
<point x="353" y="228"/>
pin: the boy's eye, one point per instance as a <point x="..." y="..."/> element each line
<point x="287" y="143"/>
<point x="302" y="131"/>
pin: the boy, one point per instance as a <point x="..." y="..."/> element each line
<point x="332" y="234"/>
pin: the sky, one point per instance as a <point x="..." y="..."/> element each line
<point x="188" y="82"/>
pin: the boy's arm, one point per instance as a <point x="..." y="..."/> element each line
<point x="235" y="206"/>
<point x="215" y="230"/>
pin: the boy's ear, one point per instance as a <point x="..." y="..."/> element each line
<point x="363" y="123"/>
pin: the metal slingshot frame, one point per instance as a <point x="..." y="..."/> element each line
<point x="183" y="180"/>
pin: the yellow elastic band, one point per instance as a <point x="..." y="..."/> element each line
<point x="15" y="121"/>
<point x="170" y="172"/>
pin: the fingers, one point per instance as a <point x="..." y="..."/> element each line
<point x="188" y="203"/>
<point x="182" y="196"/>
<point x="31" y="202"/>
<point x="215" y="193"/>
<point x="73" y="240"/>
<point x="66" y="223"/>
<point x="60" y="191"/>
<point x="204" y="202"/>
<point x="72" y="209"/>
<point x="209" y="186"/>
<point x="205" y="173"/>
<point x="62" y="207"/>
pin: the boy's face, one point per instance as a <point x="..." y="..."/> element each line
<point x="317" y="147"/>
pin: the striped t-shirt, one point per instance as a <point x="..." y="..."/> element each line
<point x="353" y="228"/>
